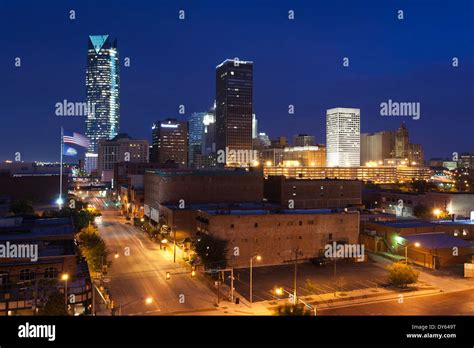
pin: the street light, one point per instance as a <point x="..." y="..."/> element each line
<point x="193" y="273"/>
<point x="416" y="244"/>
<point x="437" y="213"/>
<point x="147" y="301"/>
<point x="279" y="291"/>
<point x="258" y="258"/>
<point x="65" y="277"/>
<point x="168" y="275"/>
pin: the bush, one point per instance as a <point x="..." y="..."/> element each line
<point x="298" y="309"/>
<point x="401" y="275"/>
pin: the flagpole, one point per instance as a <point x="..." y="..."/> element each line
<point x="60" y="199"/>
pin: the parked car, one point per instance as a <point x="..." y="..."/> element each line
<point x="319" y="261"/>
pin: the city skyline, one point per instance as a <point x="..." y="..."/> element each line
<point x="147" y="96"/>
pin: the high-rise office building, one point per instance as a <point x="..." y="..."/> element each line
<point x="254" y="126"/>
<point x="170" y="142"/>
<point x="234" y="108"/>
<point x="401" y="142"/>
<point x="304" y="140"/>
<point x="196" y="134"/>
<point x="102" y="93"/>
<point x="343" y="137"/>
<point x="122" y="148"/>
<point x="375" y="147"/>
<point x="209" y="137"/>
<point x="404" y="150"/>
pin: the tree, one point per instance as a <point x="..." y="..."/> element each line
<point x="401" y="275"/>
<point x="422" y="211"/>
<point x="421" y="186"/>
<point x="298" y="309"/>
<point x="55" y="305"/>
<point x="93" y="248"/>
<point x="212" y="251"/>
<point x="21" y="207"/>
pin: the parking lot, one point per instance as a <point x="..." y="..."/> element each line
<point x="349" y="276"/>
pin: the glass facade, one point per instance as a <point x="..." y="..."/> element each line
<point x="102" y="90"/>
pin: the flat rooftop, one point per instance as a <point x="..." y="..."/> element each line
<point x="18" y="228"/>
<point x="422" y="223"/>
<point x="204" y="172"/>
<point x="437" y="240"/>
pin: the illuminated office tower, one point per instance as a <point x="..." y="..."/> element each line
<point x="343" y="137"/>
<point x="234" y="90"/>
<point x="170" y="142"/>
<point x="102" y="91"/>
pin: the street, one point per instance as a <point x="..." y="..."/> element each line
<point x="453" y="303"/>
<point x="139" y="272"/>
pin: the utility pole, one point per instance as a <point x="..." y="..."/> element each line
<point x="174" y="250"/>
<point x="297" y="253"/>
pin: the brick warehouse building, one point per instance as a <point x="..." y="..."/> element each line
<point x="169" y="186"/>
<point x="264" y="229"/>
<point x="275" y="234"/>
<point x="313" y="194"/>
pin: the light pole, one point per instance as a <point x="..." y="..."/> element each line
<point x="65" y="277"/>
<point x="258" y="258"/>
<point x="147" y="301"/>
<point x="416" y="244"/>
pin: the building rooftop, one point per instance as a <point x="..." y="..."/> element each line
<point x="204" y="172"/>
<point x="19" y="228"/>
<point x="437" y="240"/>
<point x="406" y="223"/>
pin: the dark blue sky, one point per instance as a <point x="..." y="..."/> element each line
<point x="296" y="62"/>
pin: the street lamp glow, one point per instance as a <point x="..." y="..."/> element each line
<point x="437" y="212"/>
<point x="193" y="273"/>
<point x="59" y="201"/>
<point x="148" y="300"/>
<point x="164" y="241"/>
<point x="65" y="276"/>
<point x="116" y="255"/>
<point x="417" y="244"/>
<point x="168" y="275"/>
<point x="279" y="291"/>
<point x="258" y="258"/>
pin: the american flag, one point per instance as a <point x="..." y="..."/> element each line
<point x="75" y="138"/>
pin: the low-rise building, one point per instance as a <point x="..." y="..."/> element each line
<point x="186" y="186"/>
<point x="26" y="282"/>
<point x="312" y="194"/>
<point x="429" y="244"/>
<point x="263" y="229"/>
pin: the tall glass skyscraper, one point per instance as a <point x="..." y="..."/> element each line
<point x="103" y="90"/>
<point x="196" y="133"/>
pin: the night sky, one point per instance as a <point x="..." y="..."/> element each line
<point x="296" y="62"/>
